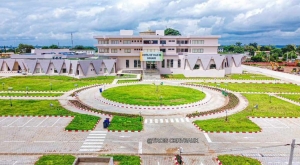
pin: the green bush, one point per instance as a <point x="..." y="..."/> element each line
<point x="56" y="160"/>
<point x="237" y="160"/>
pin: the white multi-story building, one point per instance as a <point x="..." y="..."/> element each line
<point x="193" y="56"/>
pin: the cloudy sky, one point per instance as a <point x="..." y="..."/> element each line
<point x="40" y="22"/>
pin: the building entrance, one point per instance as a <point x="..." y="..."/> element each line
<point x="151" y="65"/>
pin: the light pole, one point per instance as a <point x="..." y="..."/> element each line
<point x="51" y="86"/>
<point x="140" y="116"/>
<point x="180" y="151"/>
<point x="202" y="88"/>
<point x="3" y="86"/>
<point x="226" y="115"/>
<point x="27" y="90"/>
<point x="10" y="88"/>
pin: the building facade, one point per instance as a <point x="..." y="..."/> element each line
<point x="57" y="62"/>
<point x="193" y="56"/>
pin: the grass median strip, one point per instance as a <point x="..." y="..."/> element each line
<point x="295" y="97"/>
<point x="153" y="95"/>
<point x="31" y="94"/>
<point x="56" y="160"/>
<point x="126" y="123"/>
<point x="240" y="123"/>
<point x="126" y="159"/>
<point x="48" y="83"/>
<point x="246" y="76"/>
<point x="237" y="160"/>
<point x="255" y="87"/>
<point x="42" y="107"/>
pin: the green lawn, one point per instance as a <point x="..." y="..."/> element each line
<point x="253" y="87"/>
<point x="127" y="81"/>
<point x="247" y="76"/>
<point x="295" y="97"/>
<point x="237" y="160"/>
<point x="240" y="122"/>
<point x="42" y="107"/>
<point x="153" y="95"/>
<point x="31" y="94"/>
<point x="43" y="83"/>
<point x="56" y="160"/>
<point x="126" y="159"/>
<point x="126" y="123"/>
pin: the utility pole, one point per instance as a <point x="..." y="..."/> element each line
<point x="72" y="39"/>
<point x="292" y="152"/>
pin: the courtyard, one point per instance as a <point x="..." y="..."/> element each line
<point x="150" y="119"/>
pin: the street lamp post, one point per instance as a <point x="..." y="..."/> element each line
<point x="140" y="116"/>
<point x="180" y="151"/>
<point x="27" y="90"/>
<point x="226" y="119"/>
<point x="3" y="86"/>
<point x="10" y="88"/>
<point x="51" y="86"/>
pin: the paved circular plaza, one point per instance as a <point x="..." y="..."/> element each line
<point x="212" y="100"/>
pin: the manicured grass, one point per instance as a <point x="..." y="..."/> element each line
<point x="127" y="81"/>
<point x="295" y="97"/>
<point x="150" y="95"/>
<point x="126" y="123"/>
<point x="256" y="87"/>
<point x="126" y="159"/>
<point x="240" y="122"/>
<point x="247" y="76"/>
<point x="237" y="160"/>
<point x="31" y="94"/>
<point x="43" y="83"/>
<point x="55" y="160"/>
<point x="42" y="107"/>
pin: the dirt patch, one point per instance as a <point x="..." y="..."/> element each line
<point x="116" y="163"/>
<point x="171" y="150"/>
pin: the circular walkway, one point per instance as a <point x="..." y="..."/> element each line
<point x="93" y="98"/>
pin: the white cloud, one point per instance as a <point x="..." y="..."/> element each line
<point x="236" y="20"/>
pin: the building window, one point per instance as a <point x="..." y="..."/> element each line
<point x="169" y="63"/>
<point x="103" y="42"/>
<point x="171" y="40"/>
<point x="137" y="63"/>
<point x="150" y="41"/>
<point x="55" y="71"/>
<point x="171" y="49"/>
<point x="127" y="50"/>
<point x="64" y="70"/>
<point x="114" y="41"/>
<point x="179" y="63"/>
<point x="127" y="42"/>
<point x="105" y="70"/>
<point x="127" y="63"/>
<point x="114" y="50"/>
<point x="103" y="50"/>
<point x="197" y="50"/>
<point x="163" y="63"/>
<point x="163" y="42"/>
<point x="197" y="66"/>
<point x="212" y="66"/>
<point x="197" y="41"/>
<point x="162" y="50"/>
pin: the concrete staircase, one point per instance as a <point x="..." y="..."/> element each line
<point x="152" y="74"/>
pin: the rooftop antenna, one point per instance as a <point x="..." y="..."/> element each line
<point x="72" y="39"/>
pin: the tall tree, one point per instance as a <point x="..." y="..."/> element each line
<point x="239" y="44"/>
<point x="24" y="48"/>
<point x="45" y="47"/>
<point x="53" y="46"/>
<point x="254" y="44"/>
<point x="298" y="50"/>
<point x="172" y="32"/>
<point x="79" y="47"/>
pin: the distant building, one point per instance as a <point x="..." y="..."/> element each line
<point x="220" y="49"/>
